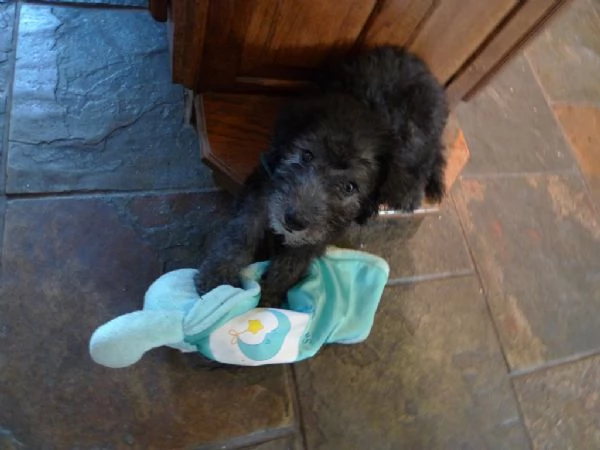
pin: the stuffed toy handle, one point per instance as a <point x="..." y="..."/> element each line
<point x="124" y="340"/>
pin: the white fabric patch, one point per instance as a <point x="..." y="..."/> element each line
<point x="260" y="336"/>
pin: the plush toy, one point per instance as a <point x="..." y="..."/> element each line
<point x="334" y="303"/>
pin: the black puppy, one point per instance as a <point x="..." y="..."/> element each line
<point x="372" y="136"/>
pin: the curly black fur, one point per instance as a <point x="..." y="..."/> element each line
<point x="371" y="136"/>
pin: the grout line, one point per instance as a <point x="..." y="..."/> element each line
<point x="429" y="277"/>
<point x="481" y="283"/>
<point x="554" y="363"/>
<point x="520" y="412"/>
<point x="9" y="95"/>
<point x="67" y="4"/>
<point x="244" y="441"/>
<point x="7" y="119"/>
<point x="112" y="193"/>
<point x="2" y="220"/>
<point x="582" y="104"/>
<point x="478" y="176"/>
<point x="298" y="407"/>
<point x="558" y="123"/>
<point x="495" y="328"/>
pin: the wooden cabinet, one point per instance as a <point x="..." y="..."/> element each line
<point x="276" y="42"/>
<point x="239" y="57"/>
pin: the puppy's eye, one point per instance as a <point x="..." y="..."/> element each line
<point x="307" y="156"/>
<point x="350" y="188"/>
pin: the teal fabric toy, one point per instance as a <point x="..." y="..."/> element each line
<point x="334" y="303"/>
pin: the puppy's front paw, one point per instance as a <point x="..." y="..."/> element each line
<point x="412" y="202"/>
<point x="270" y="298"/>
<point x="206" y="281"/>
<point x="200" y="283"/>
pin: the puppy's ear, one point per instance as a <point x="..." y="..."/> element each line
<point x="294" y="118"/>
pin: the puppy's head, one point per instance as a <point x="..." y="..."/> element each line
<point x="325" y="165"/>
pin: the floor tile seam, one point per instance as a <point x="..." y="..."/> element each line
<point x="564" y="135"/>
<point x="494" y="323"/>
<point x="578" y="103"/>
<point x="110" y="193"/>
<point x="428" y="277"/>
<point x="499" y="175"/>
<point x="554" y="363"/>
<point x="521" y="413"/>
<point x="9" y="95"/>
<point x="549" y="101"/>
<point x="517" y="375"/>
<point x="298" y="408"/>
<point x="482" y="285"/>
<point x="7" y="121"/>
<point x="250" y="439"/>
<point x="102" y="6"/>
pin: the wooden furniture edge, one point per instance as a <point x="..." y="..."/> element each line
<point x="510" y="37"/>
<point x="159" y="10"/>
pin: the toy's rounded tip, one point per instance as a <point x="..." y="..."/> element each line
<point x="109" y="352"/>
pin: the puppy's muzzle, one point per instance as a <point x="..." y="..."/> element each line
<point x="292" y="223"/>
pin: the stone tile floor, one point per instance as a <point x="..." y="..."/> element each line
<point x="488" y="336"/>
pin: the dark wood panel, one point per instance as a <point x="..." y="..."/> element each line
<point x="270" y="46"/>
<point x="455" y="30"/>
<point x="188" y="21"/>
<point x="237" y="129"/>
<point x="249" y="40"/>
<point x="225" y="31"/>
<point x="395" y="22"/>
<point x="300" y="34"/>
<point x="158" y="9"/>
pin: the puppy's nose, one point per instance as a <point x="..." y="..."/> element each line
<point x="293" y="223"/>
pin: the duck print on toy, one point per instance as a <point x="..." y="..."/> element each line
<point x="264" y="337"/>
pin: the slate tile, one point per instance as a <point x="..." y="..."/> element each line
<point x="581" y="125"/>
<point x="288" y="443"/>
<point x="7" y="18"/>
<point x="566" y="55"/>
<point x="177" y="226"/>
<point x="69" y="265"/>
<point x="562" y="406"/>
<point x="419" y="246"/>
<point x="536" y="241"/>
<point x="510" y="128"/>
<point x="94" y="107"/>
<point x="430" y="376"/>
